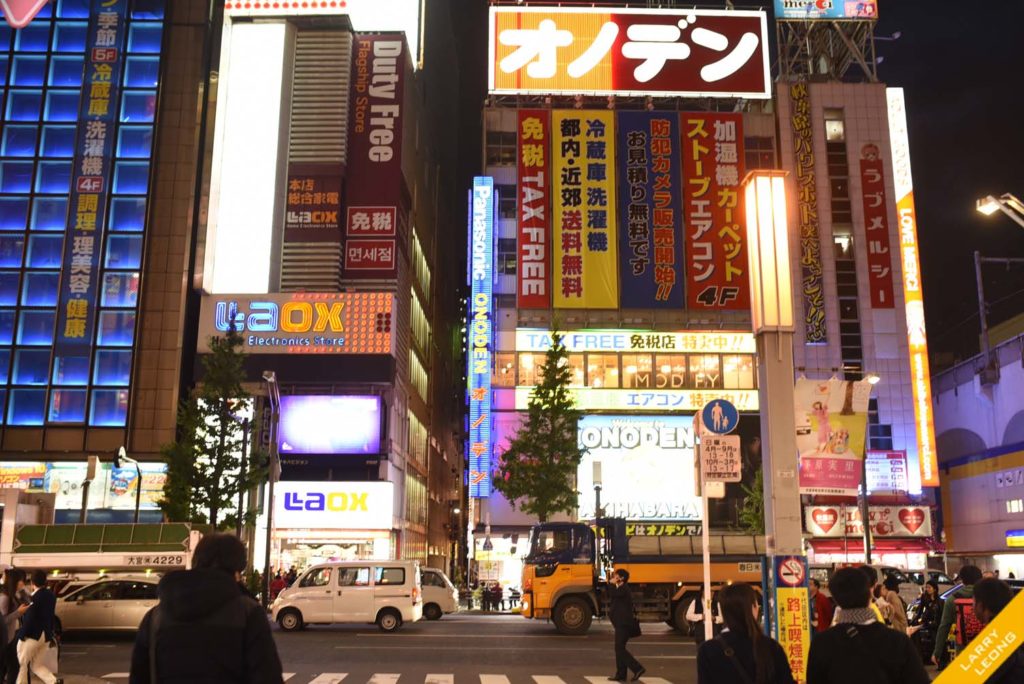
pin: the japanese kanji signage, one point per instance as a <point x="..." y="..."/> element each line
<point x="887" y="472"/>
<point x="313" y="203"/>
<point x="917" y="338"/>
<point x="883" y="521"/>
<point x="793" y="627"/>
<point x="583" y="207"/>
<point x="374" y="192"/>
<point x="480" y="335"/>
<point x="606" y="51"/>
<point x="533" y="270"/>
<point x="663" y="530"/>
<point x="19" y="13"/>
<point x="538" y="340"/>
<point x="831" y="429"/>
<point x="650" y="210"/>
<point x="685" y="400"/>
<point x="720" y="457"/>
<point x="876" y="227"/>
<point x="807" y="202"/>
<point x="716" y="255"/>
<point x="90" y="177"/>
<point x="826" y="9"/>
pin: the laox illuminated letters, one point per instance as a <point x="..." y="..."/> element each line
<point x="334" y="501"/>
<point x="293" y="317"/>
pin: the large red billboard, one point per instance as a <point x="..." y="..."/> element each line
<point x="606" y="51"/>
<point x="876" y="227"/>
<point x="533" y="279"/>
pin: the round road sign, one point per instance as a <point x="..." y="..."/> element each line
<point x="719" y="416"/>
<point x="791" y="571"/>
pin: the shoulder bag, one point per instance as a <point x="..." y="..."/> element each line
<point x="731" y="655"/>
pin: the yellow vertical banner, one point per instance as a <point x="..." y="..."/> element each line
<point x="987" y="652"/>
<point x="583" y="210"/>
<point x="794" y="628"/>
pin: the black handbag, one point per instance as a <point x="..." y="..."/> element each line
<point x="634" y="629"/>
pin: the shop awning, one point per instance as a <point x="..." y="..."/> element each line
<point x="857" y="544"/>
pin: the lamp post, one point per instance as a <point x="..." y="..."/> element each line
<point x="1006" y="203"/>
<point x="123" y="458"/>
<point x="273" y="471"/>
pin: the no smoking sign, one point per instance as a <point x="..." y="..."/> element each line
<point x="790" y="571"/>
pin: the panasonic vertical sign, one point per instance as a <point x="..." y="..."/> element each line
<point x="480" y="334"/>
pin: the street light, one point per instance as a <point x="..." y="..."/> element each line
<point x="1006" y="203"/>
<point x="274" y="392"/>
<point x="123" y="458"/>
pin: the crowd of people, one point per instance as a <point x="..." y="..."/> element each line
<point x="29" y="628"/>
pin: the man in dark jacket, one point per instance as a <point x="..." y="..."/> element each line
<point x="859" y="648"/>
<point x="206" y="630"/>
<point x="991" y="595"/>
<point x="36" y="632"/>
<point x="620" y="613"/>
<point x="969" y="576"/>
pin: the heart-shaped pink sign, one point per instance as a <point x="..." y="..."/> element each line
<point x="912" y="518"/>
<point x="19" y="13"/>
<point x="825" y="518"/>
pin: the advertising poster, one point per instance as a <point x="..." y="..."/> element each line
<point x="876" y="227"/>
<point x="313" y="203"/>
<point x="330" y="424"/>
<point x="605" y="51"/>
<point x="533" y="272"/>
<point x="883" y="521"/>
<point x="334" y="505"/>
<point x="113" y="488"/>
<point x="583" y="205"/>
<point x="803" y="10"/>
<point x="480" y="337"/>
<point x="794" y="628"/>
<point x="650" y="211"/>
<point x="888" y="473"/>
<point x="716" y="254"/>
<point x="831" y="430"/>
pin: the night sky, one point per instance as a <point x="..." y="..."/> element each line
<point x="962" y="66"/>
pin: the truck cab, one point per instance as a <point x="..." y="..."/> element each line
<point x="560" y="576"/>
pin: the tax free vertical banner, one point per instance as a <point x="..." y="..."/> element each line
<point x="533" y="272"/>
<point x="586" y="263"/>
<point x="90" y="176"/>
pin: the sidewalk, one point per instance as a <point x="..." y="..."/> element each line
<point x="82" y="679"/>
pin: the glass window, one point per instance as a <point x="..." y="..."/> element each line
<point x="71" y="370"/>
<point x="529" y="368"/>
<point x="131" y="178"/>
<point x="113" y="367"/>
<point x="19" y="141"/>
<point x="144" y="37"/>
<point x="431" y="579"/>
<point x="671" y="371"/>
<point x="6" y="326"/>
<point x="317" y="577"/>
<point x="70" y="36"/>
<point x="138" y="591"/>
<point x="24" y="105"/>
<point x="5" y="362"/>
<point x="506" y="201"/>
<point x="124" y="251"/>
<point x="705" y="372"/>
<point x="73" y="9"/>
<point x="138" y="106"/>
<point x="504" y="370"/>
<point x="61" y="105"/>
<point x="26" y="407"/>
<point x="36" y="329"/>
<point x="40" y="289"/>
<point x="389" y="576"/>
<point x="135" y="142"/>
<point x="67" y="406"/>
<point x="11" y="248"/>
<point x="148" y="9"/>
<point x="109" y="408"/>
<point x="576" y="368"/>
<point x="116" y="329"/>
<point x="58" y="141"/>
<point x="127" y="214"/>
<point x="49" y="213"/>
<point x="353" y="577"/>
<point x="3" y="63"/>
<point x="13" y="211"/>
<point x="28" y="70"/>
<point x="31" y="366"/>
<point x="637" y="371"/>
<point x="142" y="72"/>
<point x="120" y="289"/>
<point x="45" y="251"/>
<point x="9" y="286"/>
<point x="603" y="370"/>
<point x="54" y="177"/>
<point x="105" y="591"/>
<point x="67" y="71"/>
<point x="33" y="38"/>
<point x="738" y="371"/>
<point x="15" y="176"/>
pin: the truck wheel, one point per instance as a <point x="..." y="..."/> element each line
<point x="572" y="616"/>
<point x="681" y="625"/>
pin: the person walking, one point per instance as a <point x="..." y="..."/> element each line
<point x="969" y="576"/>
<point x="742" y="653"/>
<point x="822" y="608"/>
<point x="859" y="648"/>
<point x="14" y="596"/>
<point x="205" y="630"/>
<point x="897" y="611"/>
<point x="621" y="615"/>
<point x="277" y="585"/>
<point x="991" y="595"/>
<point x="926" y="620"/>
<point x="36" y="632"/>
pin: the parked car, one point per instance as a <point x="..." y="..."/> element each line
<point x="440" y="596"/>
<point x="388" y="593"/>
<point x="107" y="604"/>
<point x="920" y="576"/>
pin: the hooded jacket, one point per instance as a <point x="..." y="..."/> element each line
<point x="208" y="633"/>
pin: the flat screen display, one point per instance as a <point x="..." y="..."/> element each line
<point x="348" y="424"/>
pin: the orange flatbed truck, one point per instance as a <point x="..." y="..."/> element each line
<point x="565" y="570"/>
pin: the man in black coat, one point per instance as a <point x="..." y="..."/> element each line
<point x="36" y="632"/>
<point x="620" y="613"/>
<point x="206" y="630"/>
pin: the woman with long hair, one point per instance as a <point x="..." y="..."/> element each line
<point x="12" y="596"/>
<point x="742" y="653"/>
<point x="927" y="615"/>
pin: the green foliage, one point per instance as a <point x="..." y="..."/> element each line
<point x="752" y="510"/>
<point x="204" y="474"/>
<point x="538" y="471"/>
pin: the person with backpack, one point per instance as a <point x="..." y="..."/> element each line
<point x="742" y="653"/>
<point x="991" y="595"/>
<point x="859" y="648"/>
<point x="958" y="602"/>
<point x="205" y="630"/>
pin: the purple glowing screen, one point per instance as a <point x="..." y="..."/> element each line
<point x="330" y="425"/>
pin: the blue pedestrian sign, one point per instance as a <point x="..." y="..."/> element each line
<point x="720" y="416"/>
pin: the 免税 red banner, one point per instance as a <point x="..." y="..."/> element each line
<point x="533" y="280"/>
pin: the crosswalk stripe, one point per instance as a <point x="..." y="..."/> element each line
<point x="329" y="678"/>
<point x="116" y="675"/>
<point x="439" y="679"/>
<point x="545" y="679"/>
<point x="384" y="679"/>
<point x="493" y="679"/>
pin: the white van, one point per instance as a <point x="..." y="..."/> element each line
<point x="440" y="596"/>
<point x="386" y="592"/>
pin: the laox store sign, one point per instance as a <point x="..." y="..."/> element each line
<point x="334" y="505"/>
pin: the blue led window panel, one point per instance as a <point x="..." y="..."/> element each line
<point x="53" y="177"/>
<point x="9" y="286"/>
<point x="135" y="142"/>
<point x="109" y="408"/>
<point x="73" y="9"/>
<point x="40" y="289"/>
<point x="15" y="176"/>
<point x="26" y="407"/>
<point x="6" y="326"/>
<point x="58" y="141"/>
<point x="120" y="290"/>
<point x="24" y="105"/>
<point x="44" y="251"/>
<point x="35" y="329"/>
<point x="67" y="406"/>
<point x="3" y="64"/>
<point x="69" y="36"/>
<point x="128" y="214"/>
<point x="145" y="37"/>
<point x="66" y="71"/>
<point x="117" y="329"/>
<point x="61" y="106"/>
<point x="11" y="249"/>
<point x="31" y="366"/>
<point x="481" y="335"/>
<point x="142" y="72"/>
<point x="139" y="106"/>
<point x="33" y="38"/>
<point x="71" y="370"/>
<point x="5" y="363"/>
<point x="19" y="141"/>
<point x="123" y="251"/>
<point x="90" y="176"/>
<point x="131" y="178"/>
<point x="28" y="70"/>
<point x="49" y="214"/>
<point x="148" y="9"/>
<point x="13" y="212"/>
<point x="113" y="367"/>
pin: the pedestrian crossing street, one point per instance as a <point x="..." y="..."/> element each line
<point x="383" y="678"/>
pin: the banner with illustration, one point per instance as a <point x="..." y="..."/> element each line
<point x="113" y="488"/>
<point x="831" y="430"/>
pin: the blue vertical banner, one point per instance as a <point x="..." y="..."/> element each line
<point x="480" y="334"/>
<point x="90" y="178"/>
<point x="651" y="239"/>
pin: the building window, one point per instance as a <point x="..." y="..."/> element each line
<point x="507" y="256"/>
<point x="738" y="371"/>
<point x="835" y="128"/>
<point x="705" y="371"/>
<point x="504" y="370"/>
<point x="637" y="371"/>
<point x="603" y="371"/>
<point x="759" y="152"/>
<point x="501" y="148"/>
<point x="506" y="201"/>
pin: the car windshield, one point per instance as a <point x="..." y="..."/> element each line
<point x="544" y="542"/>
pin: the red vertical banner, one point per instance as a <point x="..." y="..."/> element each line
<point x="716" y="254"/>
<point x="533" y="268"/>
<point x="876" y="227"/>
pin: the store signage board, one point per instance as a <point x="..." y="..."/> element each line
<point x="330" y="424"/>
<point x="827" y="521"/>
<point x="803" y="10"/>
<point x="632" y="52"/>
<point x="1015" y="539"/>
<point x="887" y="472"/>
<point x="20" y="13"/>
<point x="688" y="401"/>
<point x="721" y="459"/>
<point x="334" y="505"/>
<point x="575" y="341"/>
<point x="480" y="334"/>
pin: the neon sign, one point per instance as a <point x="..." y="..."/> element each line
<point x="480" y="335"/>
